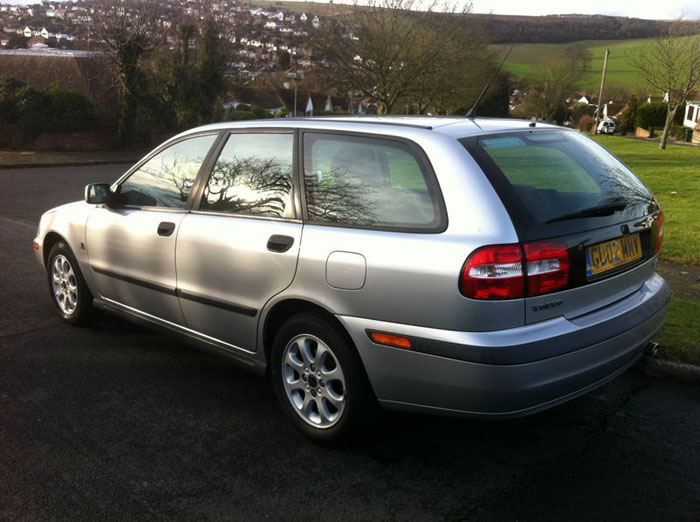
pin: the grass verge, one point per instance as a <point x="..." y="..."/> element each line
<point x="11" y="157"/>
<point x="679" y="338"/>
<point x="673" y="175"/>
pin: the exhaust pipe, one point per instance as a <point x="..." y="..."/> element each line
<point x="652" y="349"/>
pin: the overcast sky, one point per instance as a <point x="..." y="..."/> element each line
<point x="658" y="9"/>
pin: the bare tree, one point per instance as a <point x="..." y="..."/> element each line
<point x="391" y="48"/>
<point x="671" y="65"/>
<point x="549" y="89"/>
<point x="128" y="29"/>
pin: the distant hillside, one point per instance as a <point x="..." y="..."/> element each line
<point x="570" y="28"/>
<point x="525" y="59"/>
<point x="536" y="29"/>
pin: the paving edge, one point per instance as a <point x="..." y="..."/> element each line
<point x="681" y="371"/>
<point x="61" y="164"/>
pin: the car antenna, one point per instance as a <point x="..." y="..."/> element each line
<point x="472" y="111"/>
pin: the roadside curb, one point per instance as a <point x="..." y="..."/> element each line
<point x="655" y="140"/>
<point x="59" y="164"/>
<point x="662" y="368"/>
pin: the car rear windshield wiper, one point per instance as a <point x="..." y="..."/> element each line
<point x="605" y="209"/>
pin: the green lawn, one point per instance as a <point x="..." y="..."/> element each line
<point x="679" y="338"/>
<point x="673" y="176"/>
<point x="677" y="169"/>
<point x="526" y="58"/>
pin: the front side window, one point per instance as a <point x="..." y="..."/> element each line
<point x="166" y="179"/>
<point x="252" y="176"/>
<point x="367" y="182"/>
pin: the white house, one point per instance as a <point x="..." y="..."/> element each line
<point x="315" y="22"/>
<point x="44" y="33"/>
<point x="309" y="110"/>
<point x="27" y="32"/>
<point x="692" y="114"/>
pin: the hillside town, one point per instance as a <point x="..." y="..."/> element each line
<point x="274" y="62"/>
<point x="258" y="36"/>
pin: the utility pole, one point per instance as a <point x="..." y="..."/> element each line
<point x="600" y="95"/>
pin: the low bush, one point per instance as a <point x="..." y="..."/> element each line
<point x="651" y="115"/>
<point x="241" y="116"/>
<point x="28" y="111"/>
<point x="678" y="132"/>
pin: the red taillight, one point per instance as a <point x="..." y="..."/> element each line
<point x="494" y="272"/>
<point x="659" y="231"/>
<point x="547" y="267"/>
<point x="501" y="272"/>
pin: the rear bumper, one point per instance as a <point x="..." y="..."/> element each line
<point x="513" y="372"/>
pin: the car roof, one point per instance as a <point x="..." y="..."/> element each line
<point x="457" y="127"/>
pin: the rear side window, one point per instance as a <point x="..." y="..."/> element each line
<point x="166" y="179"/>
<point x="557" y="176"/>
<point x="252" y="176"/>
<point x="367" y="182"/>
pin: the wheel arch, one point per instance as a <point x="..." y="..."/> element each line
<point x="286" y="308"/>
<point x="49" y="241"/>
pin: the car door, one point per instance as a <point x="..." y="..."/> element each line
<point x="239" y="245"/>
<point x="131" y="242"/>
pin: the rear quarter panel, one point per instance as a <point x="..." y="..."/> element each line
<point x="412" y="278"/>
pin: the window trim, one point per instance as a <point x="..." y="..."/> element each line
<point x="164" y="146"/>
<point x="203" y="177"/>
<point x="423" y="163"/>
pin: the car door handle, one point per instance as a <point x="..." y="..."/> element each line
<point x="166" y="228"/>
<point x="278" y="243"/>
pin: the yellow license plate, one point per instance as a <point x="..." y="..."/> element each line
<point x="611" y="254"/>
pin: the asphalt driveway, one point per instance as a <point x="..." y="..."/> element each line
<point x="119" y="423"/>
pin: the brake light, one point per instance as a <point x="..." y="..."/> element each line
<point x="494" y="272"/>
<point x="659" y="231"/>
<point x="505" y="271"/>
<point x="547" y="267"/>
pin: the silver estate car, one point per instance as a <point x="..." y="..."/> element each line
<point x="473" y="267"/>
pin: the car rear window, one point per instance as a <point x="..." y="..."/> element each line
<point x="550" y="177"/>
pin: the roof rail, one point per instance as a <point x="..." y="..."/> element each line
<point x="364" y="119"/>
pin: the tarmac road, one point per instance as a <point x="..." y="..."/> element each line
<point x="118" y="423"/>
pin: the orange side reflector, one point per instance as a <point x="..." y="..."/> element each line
<point x="35" y="245"/>
<point x="391" y="340"/>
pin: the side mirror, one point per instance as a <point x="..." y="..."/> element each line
<point x="97" y="193"/>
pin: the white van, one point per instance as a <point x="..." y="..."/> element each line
<point x="606" y="127"/>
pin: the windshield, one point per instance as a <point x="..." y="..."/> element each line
<point x="557" y="176"/>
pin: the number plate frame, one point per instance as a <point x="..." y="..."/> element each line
<point x="607" y="256"/>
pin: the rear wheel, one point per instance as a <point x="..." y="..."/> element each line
<point x="319" y="380"/>
<point x="67" y="287"/>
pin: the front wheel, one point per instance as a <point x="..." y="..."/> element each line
<point x="67" y="287"/>
<point x="319" y="380"/>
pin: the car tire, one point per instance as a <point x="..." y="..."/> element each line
<point x="320" y="382"/>
<point x="67" y="287"/>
